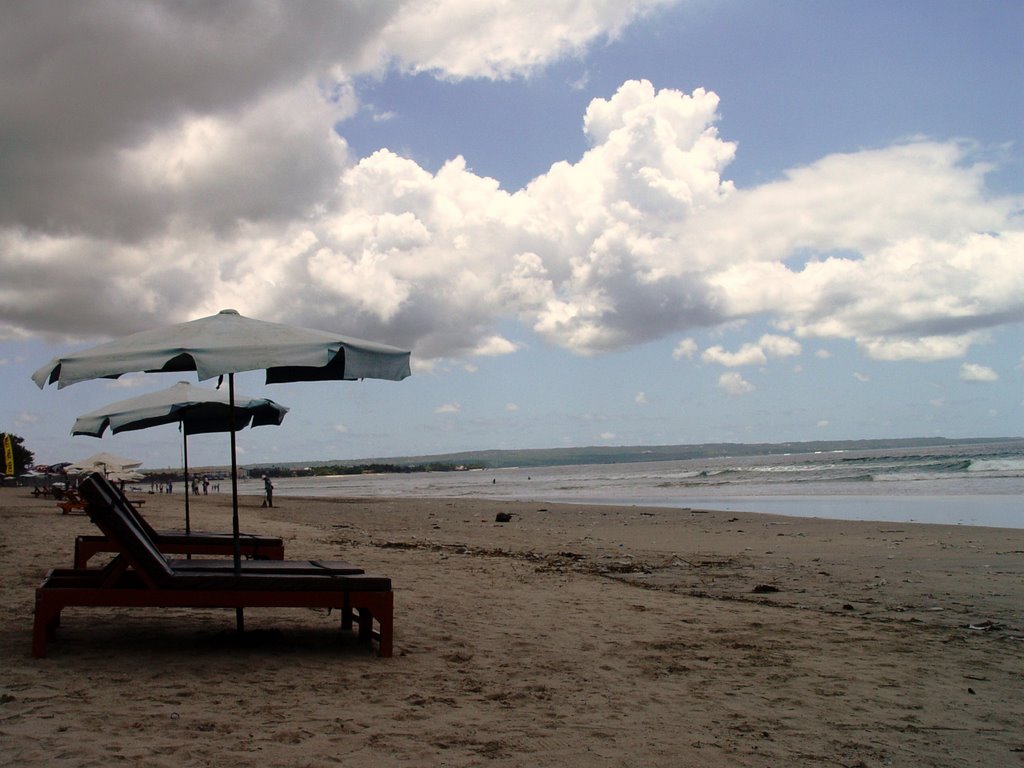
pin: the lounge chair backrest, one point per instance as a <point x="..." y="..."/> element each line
<point x="130" y="509"/>
<point x="107" y="509"/>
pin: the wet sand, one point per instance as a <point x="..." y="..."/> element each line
<point x="568" y="636"/>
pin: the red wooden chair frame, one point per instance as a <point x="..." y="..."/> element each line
<point x="140" y="576"/>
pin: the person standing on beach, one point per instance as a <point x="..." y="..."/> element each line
<point x="268" y="488"/>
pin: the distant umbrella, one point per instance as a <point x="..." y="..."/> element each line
<point x="103" y="462"/>
<point x="197" y="409"/>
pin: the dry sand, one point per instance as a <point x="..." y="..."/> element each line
<point x="570" y="636"/>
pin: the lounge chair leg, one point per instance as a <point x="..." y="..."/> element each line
<point x="44" y="627"/>
<point x="346" y="614"/>
<point x="386" y="621"/>
<point x="383" y="610"/>
<point x="365" y="626"/>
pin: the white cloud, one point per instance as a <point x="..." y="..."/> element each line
<point x="734" y="384"/>
<point x="502" y="39"/>
<point x="753" y="354"/>
<point x="779" y="346"/>
<point x="748" y="354"/>
<point x="686" y="348"/>
<point x="511" y="407"/>
<point x="607" y="436"/>
<point x="341" y="429"/>
<point x="822" y="423"/>
<point x="214" y="177"/>
<point x="494" y="346"/>
<point x="863" y="378"/>
<point x="975" y="372"/>
<point x="640" y="399"/>
<point x="126" y="382"/>
<point x="448" y="408"/>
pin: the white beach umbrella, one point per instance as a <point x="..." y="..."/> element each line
<point x="125" y="476"/>
<point x="196" y="409"/>
<point x="103" y="462"/>
<point x="228" y="343"/>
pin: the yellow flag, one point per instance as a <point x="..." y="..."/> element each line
<point x="8" y="455"/>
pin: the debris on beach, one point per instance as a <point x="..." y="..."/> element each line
<point x="985" y="626"/>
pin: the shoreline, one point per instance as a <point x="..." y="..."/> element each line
<point x="574" y="634"/>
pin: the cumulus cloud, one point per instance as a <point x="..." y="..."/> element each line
<point x="753" y="353"/>
<point x="686" y="348"/>
<point x="975" y="372"/>
<point x="495" y="345"/>
<point x="202" y="166"/>
<point x="126" y="382"/>
<point x="505" y="38"/>
<point x="749" y="354"/>
<point x="733" y="383"/>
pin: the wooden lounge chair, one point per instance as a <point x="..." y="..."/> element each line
<point x="181" y="543"/>
<point x="141" y="576"/>
<point x="71" y="502"/>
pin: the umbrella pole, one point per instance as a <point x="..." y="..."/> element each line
<point x="184" y="441"/>
<point x="239" y="614"/>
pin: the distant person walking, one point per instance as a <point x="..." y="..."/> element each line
<point x="268" y="489"/>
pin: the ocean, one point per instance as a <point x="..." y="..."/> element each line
<point x="979" y="484"/>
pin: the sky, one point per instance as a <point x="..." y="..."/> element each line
<point x="592" y="222"/>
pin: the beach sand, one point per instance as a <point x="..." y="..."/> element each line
<point x="569" y="636"/>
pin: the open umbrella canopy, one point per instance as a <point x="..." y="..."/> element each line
<point x="103" y="462"/>
<point x="125" y="476"/>
<point x="198" y="409"/>
<point x="229" y="343"/>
